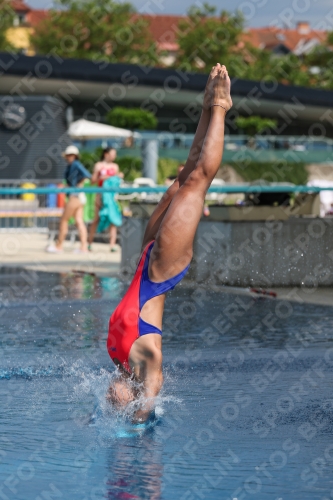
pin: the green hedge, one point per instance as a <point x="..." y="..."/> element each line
<point x="132" y="168"/>
<point x="272" y="172"/>
<point x="249" y="171"/>
<point x="166" y="168"/>
<point x="132" y="118"/>
<point x="90" y="158"/>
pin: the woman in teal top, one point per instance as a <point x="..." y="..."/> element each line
<point x="107" y="211"/>
<point x="110" y="212"/>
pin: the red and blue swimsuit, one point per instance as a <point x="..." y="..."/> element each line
<point x="125" y="325"/>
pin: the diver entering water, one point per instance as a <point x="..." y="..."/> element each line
<point x="135" y="329"/>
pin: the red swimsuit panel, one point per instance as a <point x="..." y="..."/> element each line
<point x="105" y="172"/>
<point x="125" y="325"/>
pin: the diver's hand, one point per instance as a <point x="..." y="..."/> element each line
<point x="141" y="416"/>
<point x="145" y="411"/>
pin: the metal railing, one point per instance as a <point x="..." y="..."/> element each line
<point x="28" y="208"/>
<point x="235" y="188"/>
<point x="168" y="140"/>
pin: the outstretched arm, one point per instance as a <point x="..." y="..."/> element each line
<point x="152" y="382"/>
<point x="146" y="364"/>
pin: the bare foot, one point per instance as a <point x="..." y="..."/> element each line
<point x="221" y="89"/>
<point x="209" y="90"/>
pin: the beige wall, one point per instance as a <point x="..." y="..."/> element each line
<point x="20" y="37"/>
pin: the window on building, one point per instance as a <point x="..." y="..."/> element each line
<point x="19" y="19"/>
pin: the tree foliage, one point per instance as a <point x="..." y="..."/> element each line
<point x="131" y="118"/>
<point x="253" y="125"/>
<point x="286" y="69"/>
<point x="279" y="171"/>
<point x="102" y="31"/>
<point x="205" y="39"/>
<point x="6" y="21"/>
<point x="320" y="64"/>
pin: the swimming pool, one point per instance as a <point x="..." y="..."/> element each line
<point x="246" y="410"/>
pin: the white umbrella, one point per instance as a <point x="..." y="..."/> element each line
<point x="84" y="130"/>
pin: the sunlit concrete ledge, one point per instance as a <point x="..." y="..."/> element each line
<point x="27" y="250"/>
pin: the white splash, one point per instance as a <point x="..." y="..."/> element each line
<point x="111" y="421"/>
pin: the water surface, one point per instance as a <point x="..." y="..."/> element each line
<point x="246" y="410"/>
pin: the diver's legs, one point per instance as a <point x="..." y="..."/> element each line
<point x="172" y="251"/>
<point x="194" y="154"/>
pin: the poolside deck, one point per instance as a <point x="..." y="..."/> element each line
<point x="27" y="250"/>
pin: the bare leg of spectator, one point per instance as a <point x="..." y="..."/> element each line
<point x="81" y="228"/>
<point x="113" y="237"/>
<point x="94" y="224"/>
<point x="70" y="208"/>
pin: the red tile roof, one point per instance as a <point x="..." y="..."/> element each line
<point x="270" y="37"/>
<point x="164" y="30"/>
<point x="34" y="17"/>
<point x="20" y="6"/>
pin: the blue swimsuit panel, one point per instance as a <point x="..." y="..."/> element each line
<point x="149" y="289"/>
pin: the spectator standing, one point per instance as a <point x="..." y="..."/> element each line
<point x="103" y="170"/>
<point x="75" y="174"/>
